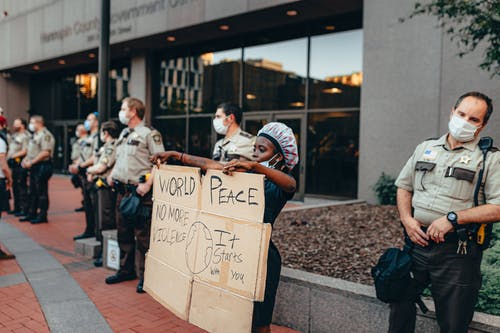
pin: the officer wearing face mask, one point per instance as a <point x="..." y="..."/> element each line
<point x="87" y="156"/>
<point x="136" y="143"/>
<point x="18" y="149"/>
<point x="438" y="209"/>
<point x="236" y="143"/>
<point x="38" y="162"/>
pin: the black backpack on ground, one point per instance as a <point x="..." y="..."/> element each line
<point x="393" y="278"/>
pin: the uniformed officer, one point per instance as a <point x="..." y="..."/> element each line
<point x="38" y="162"/>
<point x="88" y="150"/>
<point x="76" y="151"/>
<point x="236" y="144"/>
<point x="18" y="148"/>
<point x="135" y="145"/>
<point x="436" y="204"/>
<point x="5" y="177"/>
<point x="97" y="174"/>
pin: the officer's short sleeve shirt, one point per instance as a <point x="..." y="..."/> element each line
<point x="444" y="180"/>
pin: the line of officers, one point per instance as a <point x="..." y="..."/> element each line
<point x="30" y="148"/>
<point x="119" y="169"/>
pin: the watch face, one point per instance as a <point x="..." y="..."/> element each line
<point x="452" y="216"/>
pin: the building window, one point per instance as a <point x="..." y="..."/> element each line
<point x="219" y="79"/>
<point x="335" y="70"/>
<point x="275" y="76"/>
<point x="332" y="153"/>
<point x="173" y="132"/>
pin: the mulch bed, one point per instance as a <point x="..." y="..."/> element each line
<point x="340" y="241"/>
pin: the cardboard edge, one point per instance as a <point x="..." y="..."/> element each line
<point x="260" y="285"/>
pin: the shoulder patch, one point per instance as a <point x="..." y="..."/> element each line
<point x="246" y="135"/>
<point x="108" y="151"/>
<point x="47" y="137"/>
<point x="157" y="138"/>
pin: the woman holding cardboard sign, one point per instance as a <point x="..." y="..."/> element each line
<point x="275" y="154"/>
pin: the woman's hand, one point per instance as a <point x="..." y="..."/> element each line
<point x="160" y="158"/>
<point x="239" y="166"/>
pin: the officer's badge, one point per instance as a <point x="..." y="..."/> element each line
<point x="430" y="155"/>
<point x="157" y="138"/>
<point x="108" y="151"/>
<point x="465" y="159"/>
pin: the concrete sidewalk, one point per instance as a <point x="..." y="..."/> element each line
<point x="50" y="289"/>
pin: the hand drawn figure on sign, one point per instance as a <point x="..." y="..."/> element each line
<point x="199" y="237"/>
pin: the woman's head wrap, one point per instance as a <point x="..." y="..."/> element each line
<point x="284" y="140"/>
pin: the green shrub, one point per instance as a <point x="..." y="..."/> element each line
<point x="489" y="295"/>
<point x="385" y="190"/>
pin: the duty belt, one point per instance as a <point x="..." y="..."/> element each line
<point x="123" y="188"/>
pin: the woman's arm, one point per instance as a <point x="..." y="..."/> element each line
<point x="195" y="161"/>
<point x="284" y="181"/>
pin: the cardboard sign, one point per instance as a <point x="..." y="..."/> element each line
<point x="240" y="195"/>
<point x="208" y="248"/>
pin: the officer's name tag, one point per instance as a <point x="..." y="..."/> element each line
<point x="430" y="155"/>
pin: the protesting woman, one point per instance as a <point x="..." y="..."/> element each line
<point x="275" y="154"/>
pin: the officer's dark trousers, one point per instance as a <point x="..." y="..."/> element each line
<point x="133" y="239"/>
<point x="89" y="199"/>
<point x="39" y="174"/>
<point x="4" y="197"/>
<point x="105" y="211"/>
<point x="454" y="281"/>
<point x="19" y="187"/>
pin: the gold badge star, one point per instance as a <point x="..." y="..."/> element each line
<point x="465" y="159"/>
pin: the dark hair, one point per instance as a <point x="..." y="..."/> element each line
<point x="137" y="104"/>
<point x="480" y="96"/>
<point x="111" y="128"/>
<point x="23" y="122"/>
<point x="38" y="118"/>
<point x="232" y="109"/>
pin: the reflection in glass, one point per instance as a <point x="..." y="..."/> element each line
<point x="332" y="153"/>
<point x="200" y="135"/>
<point x="220" y="79"/>
<point x="336" y="70"/>
<point x="174" y="86"/>
<point x="275" y="76"/>
<point x="173" y="132"/>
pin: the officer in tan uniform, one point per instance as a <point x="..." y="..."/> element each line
<point x="76" y="151"/>
<point x="18" y="148"/>
<point x="38" y="162"/>
<point x="236" y="144"/>
<point x="135" y="145"/>
<point x="97" y="174"/>
<point x="86" y="160"/>
<point x="437" y="208"/>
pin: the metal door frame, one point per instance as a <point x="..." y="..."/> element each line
<point x="277" y="116"/>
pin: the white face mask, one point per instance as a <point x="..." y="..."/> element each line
<point x="270" y="163"/>
<point x="461" y="130"/>
<point x="219" y="126"/>
<point x="102" y="136"/>
<point x="123" y="119"/>
<point x="31" y="127"/>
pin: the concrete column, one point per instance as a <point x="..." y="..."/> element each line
<point x="139" y="84"/>
<point x="412" y="77"/>
<point x="15" y="95"/>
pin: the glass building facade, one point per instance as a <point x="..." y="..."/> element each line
<point x="311" y="83"/>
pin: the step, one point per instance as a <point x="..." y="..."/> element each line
<point x="88" y="247"/>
